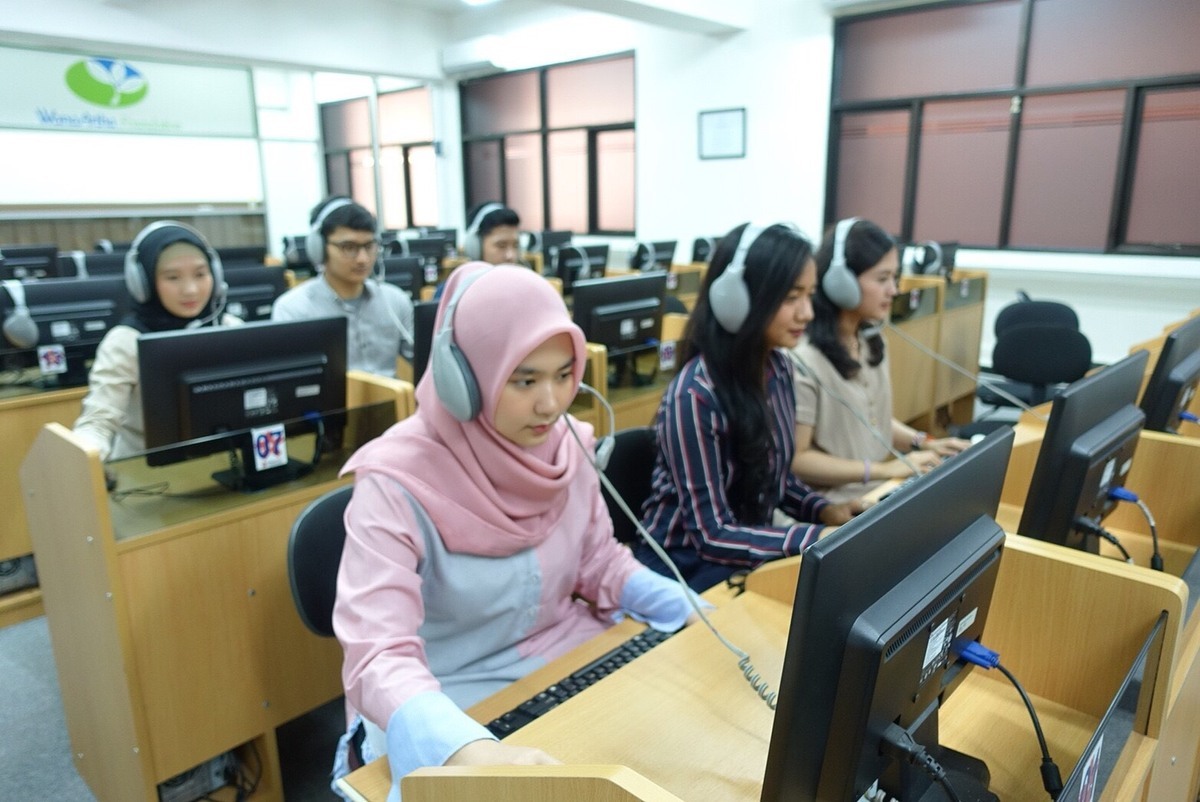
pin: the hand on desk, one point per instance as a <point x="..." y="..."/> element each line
<point x="947" y="446"/>
<point x="486" y="752"/>
<point x="838" y="514"/>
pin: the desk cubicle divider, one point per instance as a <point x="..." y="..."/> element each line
<point x="1164" y="475"/>
<point x="171" y="618"/>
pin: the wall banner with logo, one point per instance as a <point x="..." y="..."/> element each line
<point x="108" y="94"/>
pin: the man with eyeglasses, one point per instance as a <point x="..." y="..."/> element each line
<point x="344" y="244"/>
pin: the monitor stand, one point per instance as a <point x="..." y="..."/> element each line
<point x="247" y="480"/>
<point x="968" y="776"/>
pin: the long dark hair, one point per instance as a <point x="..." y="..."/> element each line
<point x="737" y="362"/>
<point x="866" y="244"/>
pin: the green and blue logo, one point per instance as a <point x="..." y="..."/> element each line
<point x="107" y="82"/>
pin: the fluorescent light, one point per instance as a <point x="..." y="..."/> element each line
<point x="478" y="2"/>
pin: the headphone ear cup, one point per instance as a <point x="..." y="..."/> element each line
<point x="314" y="241"/>
<point x="839" y="282"/>
<point x="19" y="326"/>
<point x="841" y="287"/>
<point x="453" y="378"/>
<point x="729" y="300"/>
<point x="135" y="276"/>
<point x="473" y="246"/>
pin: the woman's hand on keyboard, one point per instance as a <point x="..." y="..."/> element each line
<point x="486" y="752"/>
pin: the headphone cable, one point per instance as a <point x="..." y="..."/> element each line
<point x="975" y="377"/>
<point x="878" y="435"/>
<point x="760" y="686"/>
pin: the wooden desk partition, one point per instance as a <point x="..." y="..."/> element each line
<point x="1163" y="475"/>
<point x="912" y="370"/>
<point x="171" y="618"/>
<point x="23" y="413"/>
<point x="681" y="723"/>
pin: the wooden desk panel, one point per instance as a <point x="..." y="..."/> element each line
<point x="22" y="416"/>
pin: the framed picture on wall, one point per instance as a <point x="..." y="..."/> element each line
<point x="722" y="134"/>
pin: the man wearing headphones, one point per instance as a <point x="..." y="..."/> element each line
<point x="344" y="245"/>
<point x="492" y="234"/>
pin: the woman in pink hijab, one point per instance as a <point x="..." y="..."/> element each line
<point x="478" y="546"/>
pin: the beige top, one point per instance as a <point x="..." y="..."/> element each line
<point x="837" y="430"/>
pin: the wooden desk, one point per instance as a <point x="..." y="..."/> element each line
<point x="171" y="617"/>
<point x="23" y="413"/>
<point x="680" y="723"/>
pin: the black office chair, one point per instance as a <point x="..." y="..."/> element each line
<point x="1029" y="311"/>
<point x="314" y="553"/>
<point x="629" y="468"/>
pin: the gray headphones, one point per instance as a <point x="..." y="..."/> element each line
<point x="19" y="326"/>
<point x="139" y="278"/>
<point x="453" y="379"/>
<point x="472" y="242"/>
<point x="729" y="297"/>
<point x="314" y="242"/>
<point x="839" y="282"/>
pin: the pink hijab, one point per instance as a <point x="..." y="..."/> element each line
<point x="485" y="494"/>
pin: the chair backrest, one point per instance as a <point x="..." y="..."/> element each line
<point x="1021" y="313"/>
<point x="1042" y="355"/>
<point x="629" y="470"/>
<point x="314" y="553"/>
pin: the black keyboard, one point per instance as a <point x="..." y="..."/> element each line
<point x="585" y="677"/>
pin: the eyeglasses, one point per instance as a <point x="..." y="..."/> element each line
<point x="350" y="248"/>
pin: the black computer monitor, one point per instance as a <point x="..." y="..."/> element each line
<point x="205" y="390"/>
<point x="253" y="290"/>
<point x="549" y="241"/>
<point x="703" y="248"/>
<point x="29" y="261"/>
<point x="109" y="246"/>
<point x="575" y="263"/>
<point x="623" y="313"/>
<point x="104" y="264"/>
<point x="653" y="255"/>
<point x="242" y="255"/>
<point x="424" y="316"/>
<point x="430" y="250"/>
<point x="406" y="272"/>
<point x="1086" y="451"/>
<point x="450" y="235"/>
<point x="882" y="608"/>
<point x="1172" y="385"/>
<point x="72" y="316"/>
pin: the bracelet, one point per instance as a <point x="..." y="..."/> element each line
<point x="866" y="471"/>
<point x="919" y="439"/>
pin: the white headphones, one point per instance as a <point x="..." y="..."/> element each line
<point x="139" y="278"/>
<point x="472" y="242"/>
<point x="839" y="282"/>
<point x="19" y="326"/>
<point x="314" y="242"/>
<point x="453" y="379"/>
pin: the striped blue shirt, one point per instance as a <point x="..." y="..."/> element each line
<point x="688" y="511"/>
